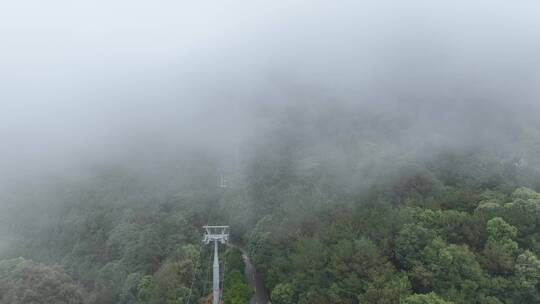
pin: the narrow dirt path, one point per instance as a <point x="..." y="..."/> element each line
<point x="255" y="282"/>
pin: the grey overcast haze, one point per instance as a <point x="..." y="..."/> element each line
<point x="83" y="78"/>
<point x="360" y="151"/>
<point x="92" y="83"/>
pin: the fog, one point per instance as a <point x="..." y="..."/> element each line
<point x="91" y="84"/>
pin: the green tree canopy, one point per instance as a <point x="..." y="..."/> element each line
<point x="430" y="298"/>
<point x="24" y="281"/>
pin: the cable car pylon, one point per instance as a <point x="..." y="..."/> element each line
<point x="216" y="234"/>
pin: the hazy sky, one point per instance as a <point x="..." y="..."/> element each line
<point x="83" y="79"/>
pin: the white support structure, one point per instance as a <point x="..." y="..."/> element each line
<point x="223" y="184"/>
<point x="216" y="234"/>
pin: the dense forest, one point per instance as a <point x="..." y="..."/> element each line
<point x="324" y="211"/>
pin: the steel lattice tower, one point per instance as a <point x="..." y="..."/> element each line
<point x="216" y="234"/>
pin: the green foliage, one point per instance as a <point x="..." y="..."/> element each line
<point x="145" y="289"/>
<point x="412" y="239"/>
<point x="463" y="256"/>
<point x="430" y="298"/>
<point x="528" y="277"/>
<point x="501" y="249"/>
<point x="453" y="270"/>
<point x="130" y="288"/>
<point x="283" y="293"/>
<point x="235" y="288"/>
<point x="525" y="194"/>
<point x="109" y="280"/>
<point x="24" y="281"/>
<point x="500" y="232"/>
<point x="349" y="227"/>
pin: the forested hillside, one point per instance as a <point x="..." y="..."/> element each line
<point x="361" y="152"/>
<point x="326" y="209"/>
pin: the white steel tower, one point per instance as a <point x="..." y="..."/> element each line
<point x="215" y="234"/>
